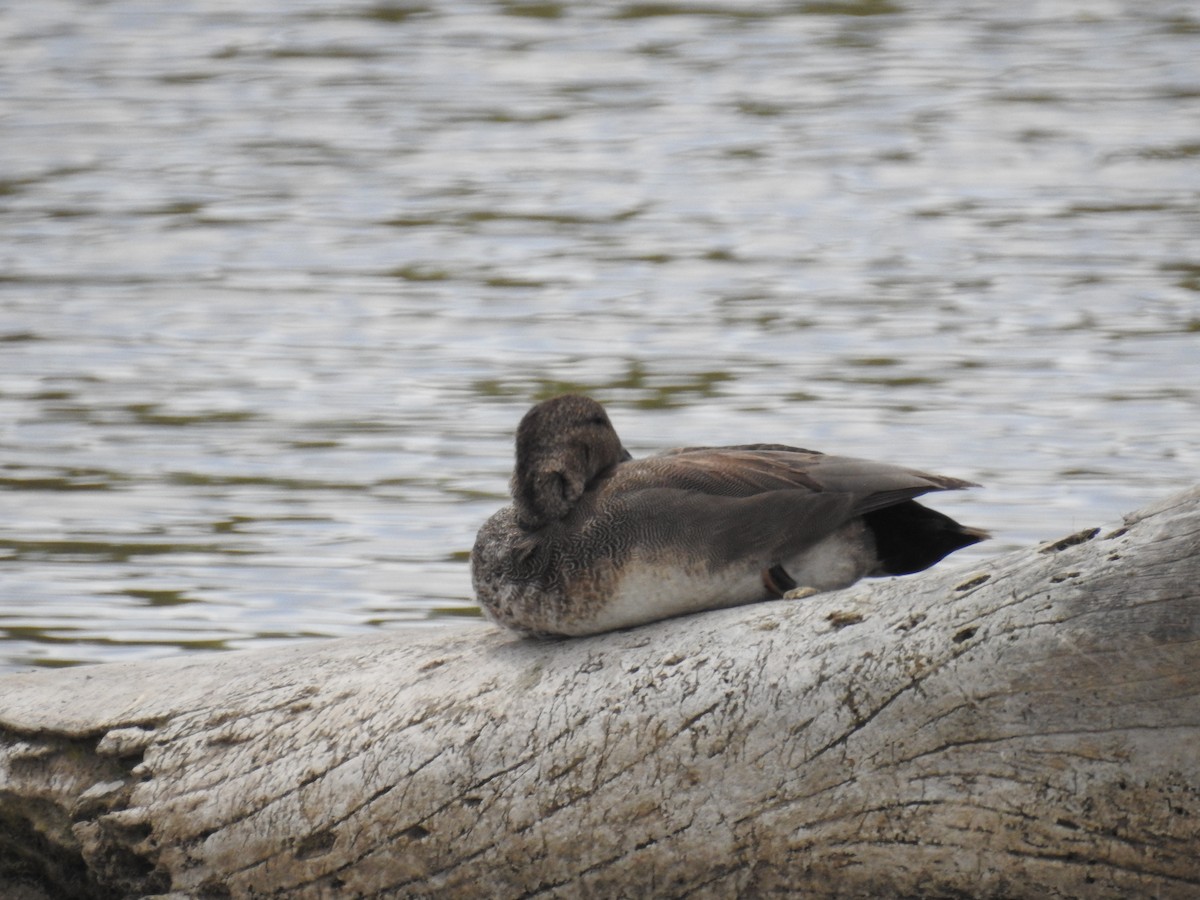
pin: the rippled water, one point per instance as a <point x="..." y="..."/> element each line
<point x="278" y="279"/>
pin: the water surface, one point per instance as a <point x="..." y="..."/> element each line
<point x="278" y="280"/>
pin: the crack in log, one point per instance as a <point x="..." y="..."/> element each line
<point x="462" y="797"/>
<point x="1105" y="865"/>
<point x="331" y="825"/>
<point x="1070" y="540"/>
<point x="76" y="836"/>
<point x="862" y="722"/>
<point x="283" y="760"/>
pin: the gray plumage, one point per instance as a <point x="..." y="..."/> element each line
<point x="596" y="540"/>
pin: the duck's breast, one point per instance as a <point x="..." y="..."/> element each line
<point x="645" y="590"/>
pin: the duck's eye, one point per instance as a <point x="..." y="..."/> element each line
<point x="597" y="420"/>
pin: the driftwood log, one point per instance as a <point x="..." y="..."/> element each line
<point x="1027" y="728"/>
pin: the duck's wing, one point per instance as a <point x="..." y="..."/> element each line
<point x="758" y="469"/>
<point x="762" y="502"/>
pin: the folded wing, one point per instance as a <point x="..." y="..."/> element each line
<point x="749" y="470"/>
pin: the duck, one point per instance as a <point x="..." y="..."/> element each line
<point x="596" y="540"/>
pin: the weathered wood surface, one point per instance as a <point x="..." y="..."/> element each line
<point x="1030" y="727"/>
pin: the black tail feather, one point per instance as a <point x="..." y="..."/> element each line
<point x="910" y="537"/>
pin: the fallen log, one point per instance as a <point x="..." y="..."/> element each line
<point x="1027" y="728"/>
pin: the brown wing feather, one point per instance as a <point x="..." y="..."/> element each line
<point x="746" y="471"/>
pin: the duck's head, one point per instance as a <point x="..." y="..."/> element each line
<point x="562" y="445"/>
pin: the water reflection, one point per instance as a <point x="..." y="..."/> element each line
<point x="276" y="284"/>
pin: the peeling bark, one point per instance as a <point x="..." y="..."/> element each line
<point x="1027" y="728"/>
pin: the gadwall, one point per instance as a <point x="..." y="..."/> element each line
<point x="596" y="540"/>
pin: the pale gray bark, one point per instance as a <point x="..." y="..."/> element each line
<point x="1029" y="727"/>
